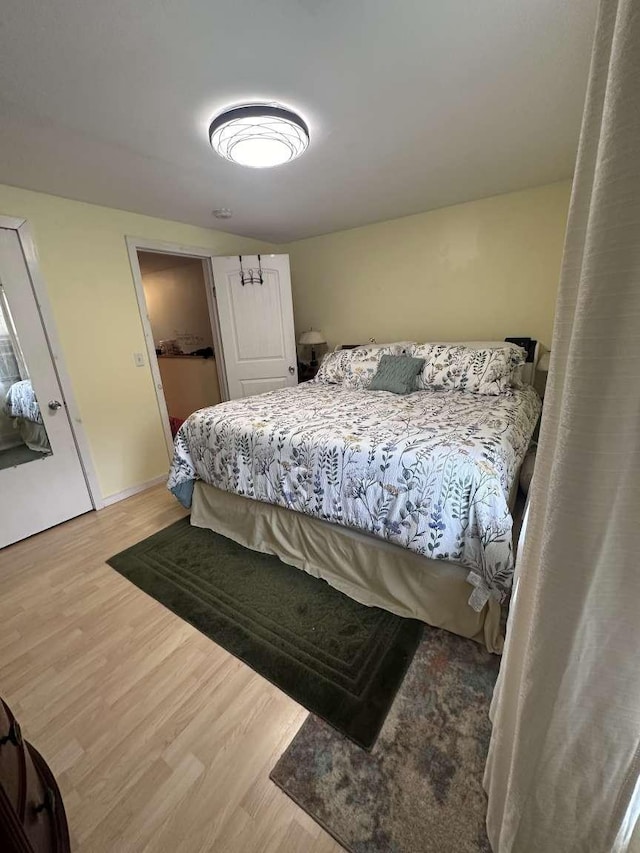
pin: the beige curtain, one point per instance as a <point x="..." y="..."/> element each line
<point x="564" y="761"/>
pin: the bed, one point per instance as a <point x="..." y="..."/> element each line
<point x="401" y="501"/>
<point x="22" y="407"/>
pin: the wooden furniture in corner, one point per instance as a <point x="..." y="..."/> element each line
<point x="32" y="817"/>
<point x="306" y="372"/>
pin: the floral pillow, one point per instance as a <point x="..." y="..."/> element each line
<point x="333" y="366"/>
<point x="452" y="367"/>
<point x="355" y="368"/>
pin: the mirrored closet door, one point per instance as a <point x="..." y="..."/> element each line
<point x="41" y="478"/>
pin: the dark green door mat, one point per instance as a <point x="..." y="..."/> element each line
<point x="338" y="658"/>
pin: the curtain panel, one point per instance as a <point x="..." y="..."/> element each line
<point x="564" y="760"/>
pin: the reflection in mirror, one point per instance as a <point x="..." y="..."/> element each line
<point x="23" y="437"/>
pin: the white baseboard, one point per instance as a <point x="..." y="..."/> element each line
<point x="134" y="490"/>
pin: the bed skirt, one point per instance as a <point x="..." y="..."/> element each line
<point x="34" y="435"/>
<point x="368" y="569"/>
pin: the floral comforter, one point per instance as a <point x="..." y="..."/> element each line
<point x="430" y="471"/>
<point x="21" y="402"/>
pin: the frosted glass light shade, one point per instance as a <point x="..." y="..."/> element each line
<point x="259" y="135"/>
<point x="312" y="338"/>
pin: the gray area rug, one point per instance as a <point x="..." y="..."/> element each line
<point x="420" y="789"/>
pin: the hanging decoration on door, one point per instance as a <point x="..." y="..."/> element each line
<point x="251" y="276"/>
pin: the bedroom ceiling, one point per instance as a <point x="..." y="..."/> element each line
<point x="411" y="105"/>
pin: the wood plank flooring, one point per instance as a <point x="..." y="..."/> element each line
<point x="160" y="740"/>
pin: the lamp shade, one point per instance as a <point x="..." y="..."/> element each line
<point x="312" y="337"/>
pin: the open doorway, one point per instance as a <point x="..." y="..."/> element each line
<point x="182" y="325"/>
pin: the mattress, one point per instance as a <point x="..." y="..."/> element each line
<point x="429" y="471"/>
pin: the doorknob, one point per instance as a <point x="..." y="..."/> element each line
<point x="54" y="405"/>
<point x="292" y="370"/>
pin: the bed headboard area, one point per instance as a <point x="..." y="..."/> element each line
<point x="530" y="345"/>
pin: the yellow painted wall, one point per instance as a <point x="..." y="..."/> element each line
<point x="86" y="269"/>
<point x="476" y="271"/>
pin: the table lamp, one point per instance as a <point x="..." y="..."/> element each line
<point x="312" y="338"/>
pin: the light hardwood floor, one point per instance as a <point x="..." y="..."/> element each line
<point x="160" y="740"/>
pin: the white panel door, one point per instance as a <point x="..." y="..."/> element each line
<point x="41" y="479"/>
<point x="256" y="323"/>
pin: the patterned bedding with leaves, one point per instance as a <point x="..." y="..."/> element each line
<point x="21" y="402"/>
<point x="430" y="471"/>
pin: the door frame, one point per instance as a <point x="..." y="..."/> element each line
<point x="27" y="244"/>
<point x="142" y="244"/>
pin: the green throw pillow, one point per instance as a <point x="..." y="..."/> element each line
<point x="397" y="373"/>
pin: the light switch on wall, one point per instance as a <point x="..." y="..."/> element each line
<point x="138" y="358"/>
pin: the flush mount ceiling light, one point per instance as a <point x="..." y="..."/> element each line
<point x="259" y="135"/>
